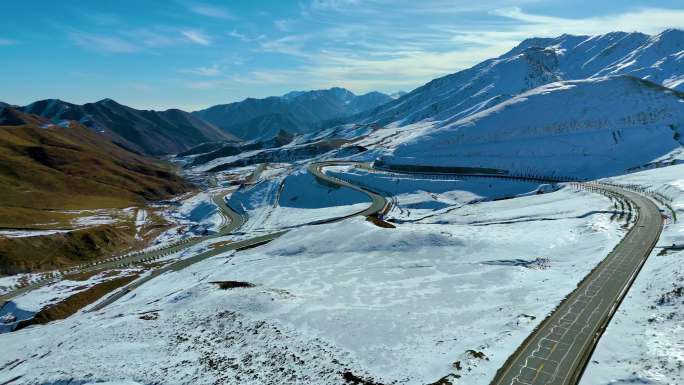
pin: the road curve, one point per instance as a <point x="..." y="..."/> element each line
<point x="558" y="350"/>
<point x="378" y="205"/>
<point x="235" y="220"/>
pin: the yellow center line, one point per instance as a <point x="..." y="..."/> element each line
<point x="553" y="349"/>
<point x="541" y="366"/>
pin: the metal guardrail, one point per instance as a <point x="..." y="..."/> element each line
<point x="659" y="197"/>
<point x="443" y="172"/>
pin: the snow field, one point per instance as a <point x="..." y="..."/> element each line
<point x="394" y="304"/>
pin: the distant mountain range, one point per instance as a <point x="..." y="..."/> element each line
<point x="145" y="131"/>
<point x="173" y="131"/>
<point x="444" y="102"/>
<point x="295" y="112"/>
<point x="581" y="106"/>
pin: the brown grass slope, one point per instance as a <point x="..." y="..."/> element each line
<point x="74" y="168"/>
<point x="46" y="170"/>
<point x="59" y="251"/>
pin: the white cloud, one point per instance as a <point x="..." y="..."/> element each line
<point x="647" y="20"/>
<point x="196" y="37"/>
<point x="283" y="25"/>
<point x="362" y="73"/>
<point x="402" y="8"/>
<point x="99" y="18"/>
<point x="158" y="37"/>
<point x="291" y="77"/>
<point x="204" y="85"/>
<point x="142" y="87"/>
<point x="292" y="45"/>
<point x="136" y="40"/>
<point x="204" y="71"/>
<point x="212" y="11"/>
<point x="332" y="4"/>
<point x="245" y="38"/>
<point x="4" y="41"/>
<point x="103" y="43"/>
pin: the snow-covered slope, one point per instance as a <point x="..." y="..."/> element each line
<point x="581" y="56"/>
<point x="392" y="306"/>
<point x="471" y="90"/>
<point x="585" y="128"/>
<point x="659" y="59"/>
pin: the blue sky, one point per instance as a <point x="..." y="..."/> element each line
<point x="193" y="54"/>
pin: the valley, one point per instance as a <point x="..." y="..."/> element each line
<point x="515" y="222"/>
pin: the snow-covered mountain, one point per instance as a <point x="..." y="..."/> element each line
<point x="297" y="111"/>
<point x="471" y="90"/>
<point x="659" y="59"/>
<point x="534" y="62"/>
<point x="586" y="128"/>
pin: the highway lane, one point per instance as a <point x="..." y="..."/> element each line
<point x="378" y="203"/>
<point x="235" y="220"/>
<point x="557" y="352"/>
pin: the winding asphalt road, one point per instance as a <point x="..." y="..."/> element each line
<point x="557" y="352"/>
<point x="235" y="220"/>
<point x="379" y="204"/>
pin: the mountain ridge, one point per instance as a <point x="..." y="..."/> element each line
<point x="303" y="110"/>
<point x="536" y="61"/>
<point x="147" y="131"/>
